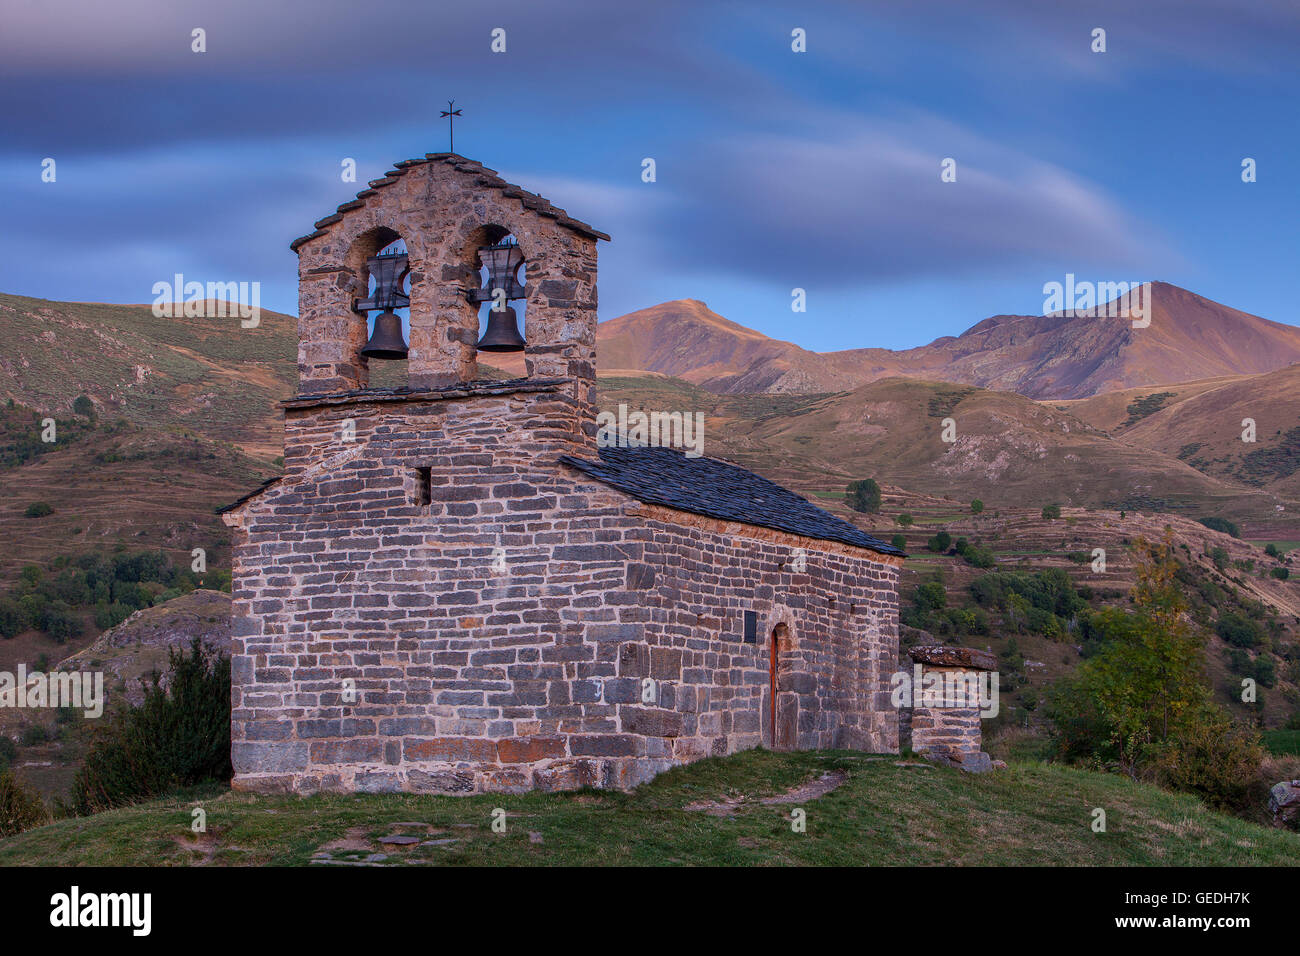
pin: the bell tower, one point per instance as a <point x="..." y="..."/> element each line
<point x="468" y="235"/>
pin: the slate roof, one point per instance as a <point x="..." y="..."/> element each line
<point x="706" y="486"/>
<point x="251" y="495"/>
<point x="483" y="176"/>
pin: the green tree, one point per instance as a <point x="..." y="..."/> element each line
<point x="940" y="543"/>
<point x="84" y="407"/>
<point x="864" y="496"/>
<point x="899" y="542"/>
<point x="1051" y="512"/>
<point x="976" y="506"/>
<point x="1147" y="681"/>
<point x="904" y="519"/>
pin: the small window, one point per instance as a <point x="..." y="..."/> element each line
<point x="423" y="486"/>
<point x="751" y="627"/>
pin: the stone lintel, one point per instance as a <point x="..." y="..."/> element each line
<point x="945" y="655"/>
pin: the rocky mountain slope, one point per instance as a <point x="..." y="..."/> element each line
<point x="1043" y="357"/>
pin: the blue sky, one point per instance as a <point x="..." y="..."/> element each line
<point x="775" y="169"/>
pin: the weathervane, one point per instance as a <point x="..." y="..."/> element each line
<point x="450" y="114"/>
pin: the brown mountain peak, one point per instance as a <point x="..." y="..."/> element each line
<point x="1189" y="337"/>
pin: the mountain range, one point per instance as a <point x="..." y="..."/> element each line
<point x="1085" y="411"/>
<point x="1189" y="338"/>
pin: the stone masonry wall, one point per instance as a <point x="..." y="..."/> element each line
<point x="947" y="733"/>
<point x="499" y="636"/>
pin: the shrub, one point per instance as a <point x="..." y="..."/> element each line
<point x="1239" y="662"/>
<point x="940" y="543"/>
<point x="177" y="737"/>
<point x="975" y="555"/>
<point x="83" y="406"/>
<point x="12" y="618"/>
<point x="931" y="595"/>
<point x="1221" y="524"/>
<point x="20" y="809"/>
<point x="904" y="519"/>
<point x="1238" y="630"/>
<point x="1051" y="512"/>
<point x="1280" y="573"/>
<point x="38" y="509"/>
<point x="8" y="751"/>
<point x="59" y="623"/>
<point x="1271" y="550"/>
<point x="976" y="506"/>
<point x="899" y="542"/>
<point x="111" y="615"/>
<point x="33" y="735"/>
<point x="1212" y="757"/>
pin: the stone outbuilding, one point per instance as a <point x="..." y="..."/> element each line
<point x="452" y="588"/>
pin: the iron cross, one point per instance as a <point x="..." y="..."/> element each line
<point x="450" y="114"/>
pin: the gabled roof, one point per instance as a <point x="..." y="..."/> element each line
<point x="483" y="176"/>
<point x="706" y="486"/>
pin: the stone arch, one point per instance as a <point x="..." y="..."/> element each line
<point x="465" y="260"/>
<point x="782" y="615"/>
<point x="356" y="261"/>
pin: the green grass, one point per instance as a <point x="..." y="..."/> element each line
<point x="1282" y="546"/>
<point x="886" y="813"/>
<point x="1282" y="742"/>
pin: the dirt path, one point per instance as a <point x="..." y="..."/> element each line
<point x="810" y="790"/>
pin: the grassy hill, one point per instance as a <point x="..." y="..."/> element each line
<point x="886" y="811"/>
<point x="1009" y="450"/>
<point x="209" y="376"/>
<point x="117" y="484"/>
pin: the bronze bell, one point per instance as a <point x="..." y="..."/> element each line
<point x="386" y="340"/>
<point x="502" y="333"/>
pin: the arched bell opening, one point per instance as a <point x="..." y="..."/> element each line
<point x="381" y="264"/>
<point x="500" y="266"/>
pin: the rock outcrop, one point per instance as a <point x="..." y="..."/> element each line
<point x="139" y="645"/>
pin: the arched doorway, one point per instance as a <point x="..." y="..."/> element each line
<point x="781" y="719"/>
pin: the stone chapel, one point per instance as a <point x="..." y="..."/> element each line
<point x="453" y="588"/>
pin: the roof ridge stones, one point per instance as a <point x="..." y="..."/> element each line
<point x="484" y="177"/>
